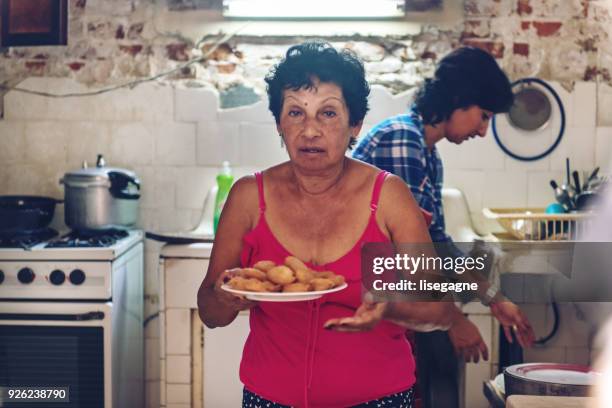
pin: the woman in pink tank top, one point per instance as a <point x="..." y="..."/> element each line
<point x="320" y="206"/>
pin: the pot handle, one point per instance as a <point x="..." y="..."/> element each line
<point x="119" y="187"/>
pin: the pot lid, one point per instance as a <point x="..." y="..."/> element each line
<point x="99" y="173"/>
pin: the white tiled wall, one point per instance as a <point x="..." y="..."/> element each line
<point x="176" y="138"/>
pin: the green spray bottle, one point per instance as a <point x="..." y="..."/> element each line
<point x="224" y="184"/>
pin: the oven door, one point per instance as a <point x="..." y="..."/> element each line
<point x="57" y="344"/>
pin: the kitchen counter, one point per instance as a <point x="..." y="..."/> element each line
<point x="533" y="401"/>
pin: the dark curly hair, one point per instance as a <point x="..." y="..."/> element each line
<point x="318" y="59"/>
<point x="467" y="76"/>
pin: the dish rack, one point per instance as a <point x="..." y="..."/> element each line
<point x="534" y="224"/>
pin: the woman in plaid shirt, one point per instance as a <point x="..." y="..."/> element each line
<point x="468" y="88"/>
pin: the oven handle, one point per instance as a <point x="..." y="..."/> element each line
<point x="53" y="317"/>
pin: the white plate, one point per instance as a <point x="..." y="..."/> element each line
<point x="280" y="296"/>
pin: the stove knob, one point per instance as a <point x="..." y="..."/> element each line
<point x="57" y="277"/>
<point x="77" y="277"/>
<point x="1" y="276"/>
<point x="25" y="275"/>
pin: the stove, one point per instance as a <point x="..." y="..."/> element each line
<point x="73" y="246"/>
<point x="27" y="239"/>
<point x="88" y="239"/>
<point x="77" y="299"/>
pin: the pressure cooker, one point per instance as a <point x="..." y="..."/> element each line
<point x="100" y="197"/>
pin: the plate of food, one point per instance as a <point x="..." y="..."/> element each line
<point x="292" y="281"/>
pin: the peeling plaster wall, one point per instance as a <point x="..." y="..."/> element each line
<point x="557" y="40"/>
<point x="117" y="40"/>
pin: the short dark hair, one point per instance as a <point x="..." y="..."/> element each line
<point x="466" y="76"/>
<point x="318" y="59"/>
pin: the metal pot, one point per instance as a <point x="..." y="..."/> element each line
<point x="100" y="197"/>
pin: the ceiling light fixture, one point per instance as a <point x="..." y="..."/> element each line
<point x="314" y="9"/>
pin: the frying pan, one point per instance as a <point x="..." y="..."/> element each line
<point x="532" y="110"/>
<point x="21" y="214"/>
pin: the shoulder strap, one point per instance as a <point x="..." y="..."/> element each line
<point x="380" y="179"/>
<point x="262" y="201"/>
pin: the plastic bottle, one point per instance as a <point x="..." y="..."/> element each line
<point x="224" y="184"/>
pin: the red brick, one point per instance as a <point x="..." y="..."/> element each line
<point x="524" y="7"/>
<point x="525" y="25"/>
<point x="590" y="74"/>
<point x="35" y="64"/>
<point x="429" y="55"/>
<point x="81" y="3"/>
<point x="36" y="67"/>
<point x="120" y="33"/>
<point x="588" y="44"/>
<point x="496" y="49"/>
<point x="41" y="56"/>
<point x="520" y="49"/>
<point x="547" y="28"/>
<point x="177" y="52"/>
<point x="131" y="49"/>
<point x="75" y="66"/>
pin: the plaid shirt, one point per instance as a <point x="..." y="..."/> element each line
<point x="397" y="145"/>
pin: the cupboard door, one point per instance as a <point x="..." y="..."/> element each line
<point x="34" y="22"/>
<point x="222" y="354"/>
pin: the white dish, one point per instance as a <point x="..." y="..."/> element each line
<point x="282" y="297"/>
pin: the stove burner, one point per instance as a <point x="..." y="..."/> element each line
<point x="27" y="239"/>
<point x="88" y="239"/>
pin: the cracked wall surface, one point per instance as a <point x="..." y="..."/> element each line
<point x="115" y="41"/>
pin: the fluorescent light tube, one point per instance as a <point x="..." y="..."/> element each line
<point x="313" y="9"/>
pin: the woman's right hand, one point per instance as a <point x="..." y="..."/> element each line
<point x="467" y="341"/>
<point x="232" y="301"/>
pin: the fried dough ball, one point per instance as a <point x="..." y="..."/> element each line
<point x="295" y="264"/>
<point x="281" y="274"/>
<point x="321" y="284"/>
<point x="253" y="273"/>
<point x="304" y="275"/>
<point x="296" y="287"/>
<point x="237" y="282"/>
<point x="272" y="287"/>
<point x="294" y="276"/>
<point x="254" y="285"/>
<point x="337" y="279"/>
<point x="264" y="265"/>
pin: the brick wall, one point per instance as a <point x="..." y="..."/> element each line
<point x="119" y="40"/>
<point x="557" y="40"/>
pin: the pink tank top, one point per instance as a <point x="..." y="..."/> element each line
<point x="289" y="358"/>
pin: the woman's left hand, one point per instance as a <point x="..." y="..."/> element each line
<point x="512" y="318"/>
<point x="366" y="317"/>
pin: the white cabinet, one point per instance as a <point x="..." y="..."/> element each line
<point x="222" y="353"/>
<point x="182" y="268"/>
<point x="195" y="373"/>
